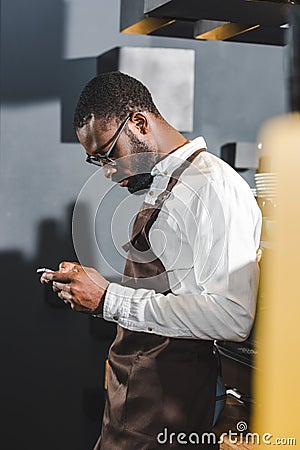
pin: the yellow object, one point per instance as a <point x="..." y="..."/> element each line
<point x="277" y="380"/>
<point x="106" y="374"/>
<point x="147" y="25"/>
<point x="226" y="31"/>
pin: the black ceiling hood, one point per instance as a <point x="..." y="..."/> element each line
<point x="294" y="61"/>
<point x="251" y="21"/>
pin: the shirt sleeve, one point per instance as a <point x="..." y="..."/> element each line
<point x="223" y="226"/>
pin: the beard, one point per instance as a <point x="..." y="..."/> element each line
<point x="139" y="184"/>
<point x="142" y="160"/>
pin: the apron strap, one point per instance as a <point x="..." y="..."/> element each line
<point x="161" y="198"/>
<point x="175" y="176"/>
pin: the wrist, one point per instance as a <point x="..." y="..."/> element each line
<point x="98" y="311"/>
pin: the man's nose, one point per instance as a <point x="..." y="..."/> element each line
<point x="108" y="170"/>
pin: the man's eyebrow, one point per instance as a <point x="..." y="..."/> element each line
<point x="98" y="150"/>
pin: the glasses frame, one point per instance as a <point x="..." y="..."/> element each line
<point x="101" y="160"/>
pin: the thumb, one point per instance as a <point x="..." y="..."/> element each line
<point x="66" y="266"/>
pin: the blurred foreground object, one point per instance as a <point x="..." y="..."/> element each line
<point x="277" y="392"/>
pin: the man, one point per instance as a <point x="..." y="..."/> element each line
<point x="190" y="276"/>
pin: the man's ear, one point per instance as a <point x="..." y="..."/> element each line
<point x="140" y="122"/>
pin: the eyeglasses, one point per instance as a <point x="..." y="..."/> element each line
<point x="101" y="160"/>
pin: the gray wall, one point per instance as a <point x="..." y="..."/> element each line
<point x="50" y="360"/>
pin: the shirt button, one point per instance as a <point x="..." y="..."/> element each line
<point x="166" y="172"/>
<point x="150" y="329"/>
<point x="151" y="193"/>
<point x="116" y="317"/>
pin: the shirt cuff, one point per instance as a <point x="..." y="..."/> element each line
<point x="133" y="309"/>
<point x="117" y="302"/>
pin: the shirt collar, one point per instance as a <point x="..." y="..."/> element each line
<point x="168" y="164"/>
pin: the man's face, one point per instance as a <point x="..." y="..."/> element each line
<point x="133" y="154"/>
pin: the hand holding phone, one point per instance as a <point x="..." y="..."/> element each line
<point x="82" y="287"/>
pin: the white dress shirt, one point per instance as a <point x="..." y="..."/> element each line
<point x="207" y="235"/>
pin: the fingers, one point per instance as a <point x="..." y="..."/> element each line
<point x="43" y="281"/>
<point x="63" y="291"/>
<point x="61" y="281"/>
<point x="57" y="287"/>
<point x="63" y="277"/>
<point x="65" y="296"/>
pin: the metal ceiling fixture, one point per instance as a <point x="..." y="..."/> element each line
<point x="252" y="21"/>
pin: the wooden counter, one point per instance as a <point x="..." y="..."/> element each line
<point x="233" y="414"/>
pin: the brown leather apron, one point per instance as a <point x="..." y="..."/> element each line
<point x="156" y="383"/>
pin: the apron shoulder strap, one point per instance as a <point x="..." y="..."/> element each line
<point x="176" y="174"/>
<point x="152" y="211"/>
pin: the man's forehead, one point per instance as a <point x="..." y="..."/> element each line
<point x="102" y="123"/>
<point x="92" y="124"/>
<point x="95" y="128"/>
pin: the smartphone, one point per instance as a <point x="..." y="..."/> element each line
<point x="43" y="269"/>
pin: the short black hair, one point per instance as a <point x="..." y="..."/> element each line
<point x="112" y="95"/>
